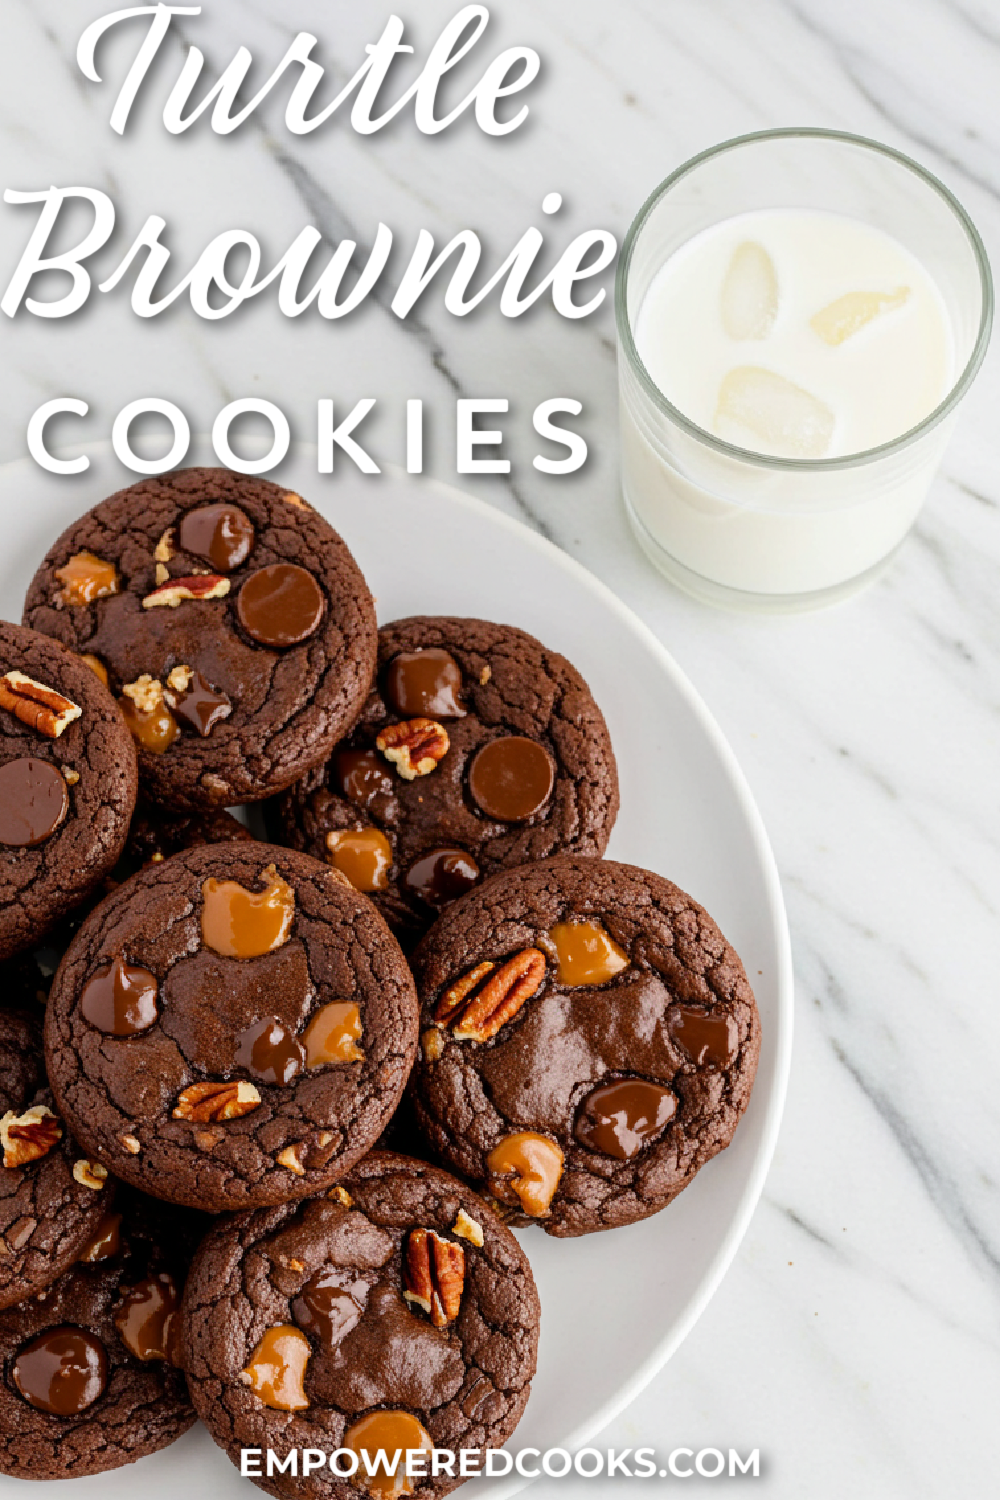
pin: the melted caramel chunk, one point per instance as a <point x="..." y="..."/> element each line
<point x="586" y="954"/>
<point x="86" y="578"/>
<point x="244" y="924"/>
<point x="96" y="666"/>
<point x="148" y="1318"/>
<point x="149" y="720"/>
<point x="277" y="1369"/>
<point x="396" y="1432"/>
<point x="332" y="1035"/>
<point x="104" y="1242"/>
<point x="365" y="857"/>
<point x="524" y="1170"/>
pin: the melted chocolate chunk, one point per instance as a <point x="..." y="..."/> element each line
<point x="33" y="802"/>
<point x="441" y="875"/>
<point x="222" y="534"/>
<point x="281" y="605"/>
<point x="62" y="1371"/>
<point x="148" y="1318"/>
<point x="425" y="684"/>
<point x="326" y="1309"/>
<point x="271" y="1052"/>
<point x="364" y="779"/>
<point x="120" y="999"/>
<point x="704" y="1037"/>
<point x="618" y="1119"/>
<point x="199" y="706"/>
<point x="511" y="778"/>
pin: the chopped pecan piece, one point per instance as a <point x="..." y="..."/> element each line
<point x="164" y="550"/>
<point x="415" y="746"/>
<point x="90" y="1174"/>
<point x="434" y="1275"/>
<point x="176" y="590"/>
<point x="36" y="705"/>
<point x="29" y="1136"/>
<point x="70" y="776"/>
<point x="291" y="1158"/>
<point x="477" y="1014"/>
<point x="179" y="679"/>
<point x="207" y="1102"/>
<point x="468" y="1228"/>
<point x="342" y="1196"/>
<point x="432" y="1043"/>
<point x="131" y="1144"/>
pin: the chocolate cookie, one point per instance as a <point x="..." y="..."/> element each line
<point x="155" y="833"/>
<point x="51" y="1196"/>
<point x="396" y="1313"/>
<point x="229" y="619"/>
<point x="92" y="1365"/>
<point x="588" y="1041"/>
<point x="233" y="1027"/>
<point x="67" y="784"/>
<point x="479" y="750"/>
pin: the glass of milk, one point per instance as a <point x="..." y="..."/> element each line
<point x="800" y="313"/>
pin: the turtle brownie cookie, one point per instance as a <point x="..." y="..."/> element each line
<point x="67" y="784"/>
<point x="93" y="1364"/>
<point x="229" y="620"/>
<point x="588" y="1042"/>
<point x="232" y="1027"/>
<point x="396" y="1313"/>
<point x="478" y="750"/>
<point x="51" y="1196"/>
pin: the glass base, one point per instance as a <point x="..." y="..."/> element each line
<point x="721" y="596"/>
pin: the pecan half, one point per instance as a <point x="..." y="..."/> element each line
<point x="36" y="705"/>
<point x="415" y="746"/>
<point x="176" y="590"/>
<point x="476" y="1015"/>
<point x="29" y="1136"/>
<point x="207" y="1102"/>
<point x="434" y="1275"/>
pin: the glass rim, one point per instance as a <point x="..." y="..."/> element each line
<point x="948" y="403"/>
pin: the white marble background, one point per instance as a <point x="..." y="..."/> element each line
<point x="855" y="1340"/>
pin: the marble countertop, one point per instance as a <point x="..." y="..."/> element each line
<point x="855" y="1340"/>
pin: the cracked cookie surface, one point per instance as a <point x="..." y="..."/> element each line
<point x="583" y="1087"/>
<point x="65" y="812"/>
<point x="266" y="703"/>
<point x="111" y="1324"/>
<point x="485" y="685"/>
<point x="332" y="1276"/>
<point x="232" y="1027"/>
<point x="46" y="1215"/>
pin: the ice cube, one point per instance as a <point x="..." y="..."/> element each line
<point x="763" y="411"/>
<point x="842" y="318"/>
<point x="749" y="293"/>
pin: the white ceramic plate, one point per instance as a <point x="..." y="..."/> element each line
<point x="615" y="1306"/>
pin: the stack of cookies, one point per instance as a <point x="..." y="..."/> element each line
<point x="295" y="1090"/>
